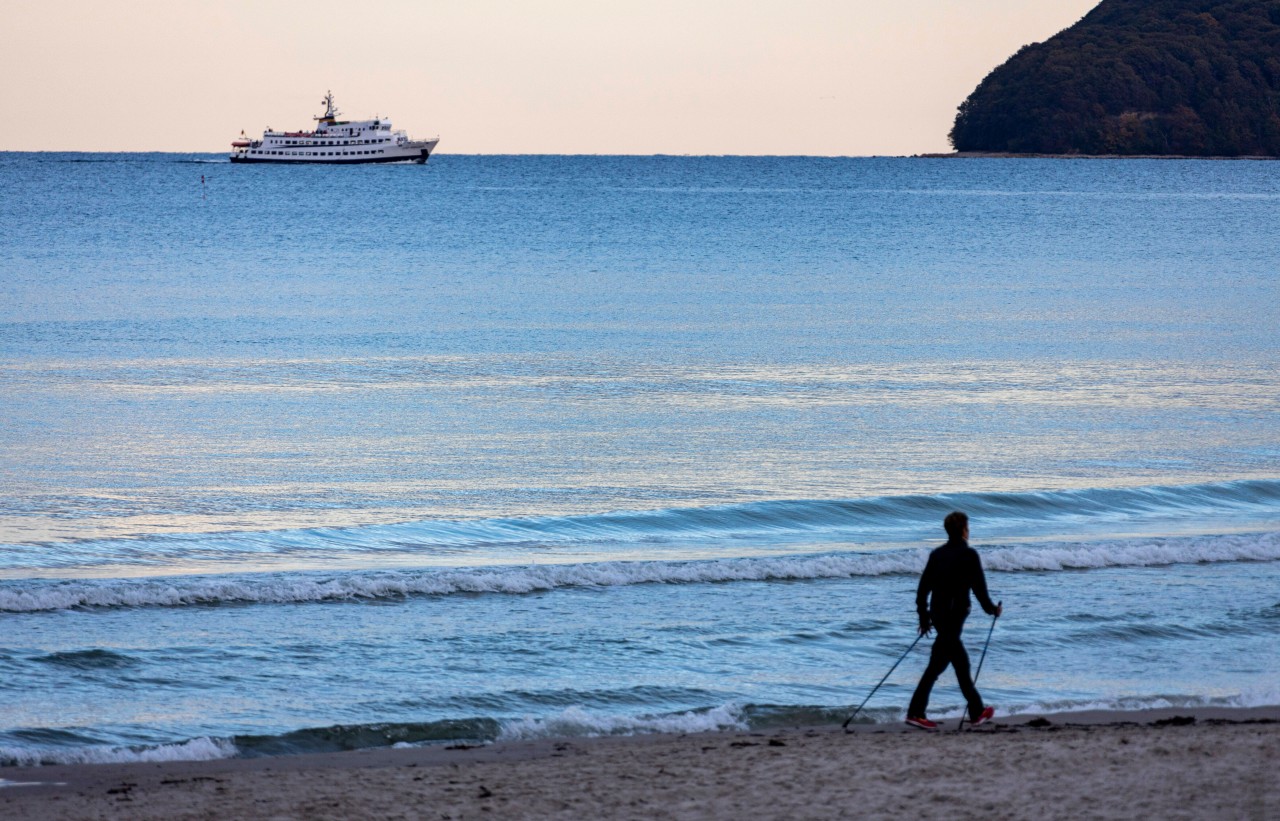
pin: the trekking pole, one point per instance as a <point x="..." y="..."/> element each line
<point x="882" y="681"/>
<point x="982" y="658"/>
<point x="987" y="643"/>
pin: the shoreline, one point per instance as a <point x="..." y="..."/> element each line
<point x="1205" y="761"/>
<point x="1009" y="155"/>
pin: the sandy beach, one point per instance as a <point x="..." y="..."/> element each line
<point x="1204" y="763"/>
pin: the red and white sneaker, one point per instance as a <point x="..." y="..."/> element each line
<point x="922" y="722"/>
<point x="986" y="716"/>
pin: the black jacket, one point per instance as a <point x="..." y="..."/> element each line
<point x="943" y="595"/>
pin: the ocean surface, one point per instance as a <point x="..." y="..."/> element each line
<point x="300" y="459"/>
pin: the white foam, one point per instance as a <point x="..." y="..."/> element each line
<point x="197" y="749"/>
<point x="1136" y="553"/>
<point x="5" y="783"/>
<point x="309" y="587"/>
<point x="577" y="721"/>
<point x="1266" y="697"/>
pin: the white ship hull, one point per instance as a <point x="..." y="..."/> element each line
<point x="413" y="151"/>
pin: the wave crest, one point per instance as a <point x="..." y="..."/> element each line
<point x="197" y="749"/>
<point x="280" y="588"/>
<point x="579" y="722"/>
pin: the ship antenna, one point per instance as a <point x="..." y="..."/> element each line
<point x="330" y="112"/>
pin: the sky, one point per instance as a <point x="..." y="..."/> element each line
<point x="802" y="77"/>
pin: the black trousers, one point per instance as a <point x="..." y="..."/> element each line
<point x="948" y="649"/>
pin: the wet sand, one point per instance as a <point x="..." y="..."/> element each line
<point x="1187" y="763"/>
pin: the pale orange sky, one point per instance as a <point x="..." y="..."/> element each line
<point x="818" y="77"/>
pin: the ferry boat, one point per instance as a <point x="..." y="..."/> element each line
<point x="334" y="141"/>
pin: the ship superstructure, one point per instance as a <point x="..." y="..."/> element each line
<point x="334" y="141"/>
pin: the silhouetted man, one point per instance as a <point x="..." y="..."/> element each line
<point x="942" y="600"/>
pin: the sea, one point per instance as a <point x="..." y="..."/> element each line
<point x="299" y="459"/>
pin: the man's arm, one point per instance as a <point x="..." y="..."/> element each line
<point x="922" y="596"/>
<point x="979" y="585"/>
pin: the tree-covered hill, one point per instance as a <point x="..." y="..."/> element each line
<point x="1194" y="77"/>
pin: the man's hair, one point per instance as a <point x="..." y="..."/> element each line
<point x="955" y="523"/>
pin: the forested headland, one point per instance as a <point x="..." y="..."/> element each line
<point x="1162" y="77"/>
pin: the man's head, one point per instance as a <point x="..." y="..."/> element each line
<point x="957" y="525"/>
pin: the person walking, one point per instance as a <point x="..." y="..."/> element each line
<point x="942" y="601"/>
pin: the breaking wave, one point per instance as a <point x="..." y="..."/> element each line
<point x="577" y="721"/>
<point x="197" y="749"/>
<point x="571" y="722"/>
<point x="277" y="588"/>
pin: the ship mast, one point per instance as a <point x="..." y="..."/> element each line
<point x="330" y="111"/>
